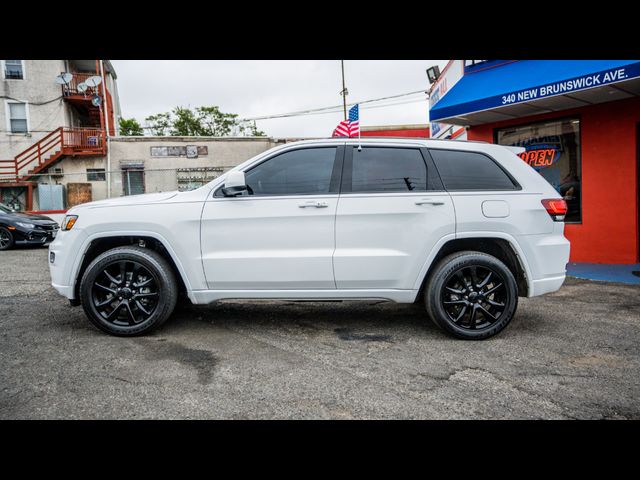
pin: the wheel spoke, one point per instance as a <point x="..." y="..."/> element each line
<point x="111" y="278"/>
<point x="494" y="304"/>
<point x="454" y="290"/>
<point x="116" y="309"/>
<point x="493" y="289"/>
<point x="150" y="294"/>
<point x="132" y="318"/>
<point x="486" y="312"/>
<point x="123" y="272"/>
<point x="486" y="280"/>
<point x="141" y="307"/>
<point x="146" y="282"/>
<point x="474" y="276"/>
<point x="454" y="302"/>
<point x="461" y="314"/>
<point x="110" y="290"/>
<point x="472" y="320"/>
<point x="104" y="302"/>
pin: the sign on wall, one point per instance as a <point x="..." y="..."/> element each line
<point x="188" y="151"/>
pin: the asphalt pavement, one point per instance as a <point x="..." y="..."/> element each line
<point x="571" y="354"/>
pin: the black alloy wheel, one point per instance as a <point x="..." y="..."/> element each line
<point x="128" y="291"/>
<point x="471" y="295"/>
<point x="6" y="239"/>
<point x="474" y="297"/>
<point x="125" y="293"/>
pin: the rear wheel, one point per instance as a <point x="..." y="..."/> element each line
<point x="128" y="291"/>
<point x="471" y="295"/>
<point x="6" y="239"/>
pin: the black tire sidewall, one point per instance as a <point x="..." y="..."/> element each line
<point x="163" y="273"/>
<point x="437" y="282"/>
<point x="11" y="240"/>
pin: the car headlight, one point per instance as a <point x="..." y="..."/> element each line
<point x="69" y="222"/>
<point x="28" y="226"/>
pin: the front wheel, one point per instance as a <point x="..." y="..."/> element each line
<point x="128" y="291"/>
<point x="471" y="295"/>
<point x="6" y="239"/>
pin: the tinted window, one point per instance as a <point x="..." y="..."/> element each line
<point x="470" y="171"/>
<point x="388" y="170"/>
<point x="298" y="172"/>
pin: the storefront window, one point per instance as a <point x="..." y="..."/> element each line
<point x="553" y="149"/>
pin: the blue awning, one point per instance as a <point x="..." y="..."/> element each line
<point x="528" y="82"/>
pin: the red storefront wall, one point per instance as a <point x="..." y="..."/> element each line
<point x="609" y="229"/>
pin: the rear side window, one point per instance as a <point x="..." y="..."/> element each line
<point x="388" y="170"/>
<point x="470" y="171"/>
<point x="298" y="172"/>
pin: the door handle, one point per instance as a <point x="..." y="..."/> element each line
<point x="429" y="201"/>
<point x="313" y="204"/>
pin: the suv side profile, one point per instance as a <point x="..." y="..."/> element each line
<point x="465" y="227"/>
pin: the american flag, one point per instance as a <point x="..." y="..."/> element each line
<point x="351" y="127"/>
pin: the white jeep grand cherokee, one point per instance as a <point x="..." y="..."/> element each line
<point x="465" y="227"/>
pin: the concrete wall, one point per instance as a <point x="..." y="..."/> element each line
<point x="160" y="172"/>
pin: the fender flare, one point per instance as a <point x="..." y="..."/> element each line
<point x="128" y="233"/>
<point x="476" y="234"/>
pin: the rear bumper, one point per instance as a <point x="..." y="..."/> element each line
<point x="548" y="256"/>
<point x="546" y="285"/>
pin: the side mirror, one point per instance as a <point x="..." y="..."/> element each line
<point x="235" y="184"/>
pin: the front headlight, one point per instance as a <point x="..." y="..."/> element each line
<point x="28" y="226"/>
<point x="69" y="222"/>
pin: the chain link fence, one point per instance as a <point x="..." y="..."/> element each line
<point x="63" y="190"/>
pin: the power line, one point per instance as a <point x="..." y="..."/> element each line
<point x="311" y="110"/>
<point x="32" y="103"/>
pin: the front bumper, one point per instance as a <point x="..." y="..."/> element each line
<point x="22" y="236"/>
<point x="64" y="259"/>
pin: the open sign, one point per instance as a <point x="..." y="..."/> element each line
<point x="540" y="157"/>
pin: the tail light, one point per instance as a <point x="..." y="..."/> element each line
<point x="556" y="207"/>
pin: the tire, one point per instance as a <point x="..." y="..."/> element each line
<point x="456" y="284"/>
<point x="134" y="303"/>
<point x="6" y="239"/>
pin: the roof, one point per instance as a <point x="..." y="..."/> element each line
<point x="527" y="87"/>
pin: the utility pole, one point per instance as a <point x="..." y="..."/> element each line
<point x="344" y="91"/>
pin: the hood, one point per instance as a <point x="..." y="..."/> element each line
<point x="28" y="217"/>
<point x="129" y="200"/>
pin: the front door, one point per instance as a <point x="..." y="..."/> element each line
<point x="392" y="211"/>
<point x="281" y="236"/>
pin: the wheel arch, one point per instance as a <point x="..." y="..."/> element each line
<point x="100" y="243"/>
<point x="503" y="248"/>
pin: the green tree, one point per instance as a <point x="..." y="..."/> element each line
<point x="202" y="121"/>
<point x="130" y="127"/>
<point x="160" y="124"/>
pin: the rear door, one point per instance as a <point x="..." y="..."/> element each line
<point x="391" y="213"/>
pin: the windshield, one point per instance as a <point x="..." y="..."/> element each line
<point x="5" y="209"/>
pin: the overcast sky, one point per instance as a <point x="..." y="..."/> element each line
<point x="266" y="87"/>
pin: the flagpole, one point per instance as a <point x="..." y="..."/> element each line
<point x="359" y="130"/>
<point x="344" y="91"/>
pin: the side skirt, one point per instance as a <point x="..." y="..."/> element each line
<point x="394" y="295"/>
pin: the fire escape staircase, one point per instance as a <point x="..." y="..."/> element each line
<point x="48" y="150"/>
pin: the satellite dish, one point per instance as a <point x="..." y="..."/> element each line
<point x="96" y="100"/>
<point x="94" y="81"/>
<point x="64" y="78"/>
<point x="82" y="87"/>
